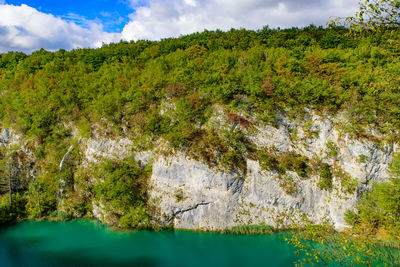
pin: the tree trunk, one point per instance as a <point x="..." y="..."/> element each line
<point x="10" y="187"/>
<point x="38" y="197"/>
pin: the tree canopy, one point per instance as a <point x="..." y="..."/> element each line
<point x="373" y="14"/>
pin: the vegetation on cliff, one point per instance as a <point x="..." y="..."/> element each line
<point x="168" y="90"/>
<point x="378" y="213"/>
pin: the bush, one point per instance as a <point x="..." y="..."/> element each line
<point x="61" y="215"/>
<point x="15" y="212"/>
<point x="350" y="217"/>
<point x="118" y="183"/>
<point x="178" y="195"/>
<point x="267" y="160"/>
<point x="135" y="218"/>
<point x="284" y="161"/>
<point x="251" y="229"/>
<point x="6" y="214"/>
<point x="288" y="185"/>
<point x="122" y="186"/>
<point x="157" y="125"/>
<point x="325" y="177"/>
<point x="379" y="209"/>
<point x="331" y="149"/>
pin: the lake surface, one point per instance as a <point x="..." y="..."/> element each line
<point x="89" y="243"/>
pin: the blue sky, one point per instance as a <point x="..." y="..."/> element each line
<point x="28" y="25"/>
<point x="112" y="14"/>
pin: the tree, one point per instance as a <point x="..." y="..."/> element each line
<point x="8" y="179"/>
<point x="372" y="14"/>
<point x="380" y="207"/>
<point x="378" y="214"/>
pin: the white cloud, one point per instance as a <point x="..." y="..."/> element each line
<point x="23" y="28"/>
<point x="155" y="19"/>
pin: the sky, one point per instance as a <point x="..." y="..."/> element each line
<point x="28" y="25"/>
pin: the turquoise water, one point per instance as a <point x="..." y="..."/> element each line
<point x="87" y="243"/>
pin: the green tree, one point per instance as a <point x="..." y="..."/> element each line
<point x="378" y="215"/>
<point x="123" y="186"/>
<point x="372" y="14"/>
<point x="380" y="208"/>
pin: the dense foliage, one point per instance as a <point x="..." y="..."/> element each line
<point x="257" y="71"/>
<point x="121" y="188"/>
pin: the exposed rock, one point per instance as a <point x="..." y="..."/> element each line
<point x="5" y="136"/>
<point x="8" y="137"/>
<point x="208" y="199"/>
<point x="144" y="157"/>
<point x="213" y="200"/>
<point x="98" y="148"/>
<point x="99" y="212"/>
<point x="191" y="195"/>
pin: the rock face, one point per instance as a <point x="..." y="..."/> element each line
<point x="18" y="161"/>
<point x="190" y="195"/>
<point x="97" y="148"/>
<point x="8" y="137"/>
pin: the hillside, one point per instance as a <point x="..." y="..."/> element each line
<point x="207" y="131"/>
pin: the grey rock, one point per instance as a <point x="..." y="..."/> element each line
<point x="214" y="200"/>
<point x="5" y="136"/>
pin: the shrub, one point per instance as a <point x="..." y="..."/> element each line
<point x="332" y="149"/>
<point x="325" y="177"/>
<point x="261" y="228"/>
<point x="136" y="217"/>
<point x="178" y="195"/>
<point x="118" y="183"/>
<point x="284" y="161"/>
<point x="350" y="217"/>
<point x="268" y="161"/>
<point x="363" y="158"/>
<point x="288" y="185"/>
<point x="61" y="215"/>
<point x="157" y="125"/>
<point x="238" y="119"/>
<point x="122" y="186"/>
<point x="16" y="212"/>
<point x="6" y="214"/>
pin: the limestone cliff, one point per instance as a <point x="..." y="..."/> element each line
<point x="191" y="194"/>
